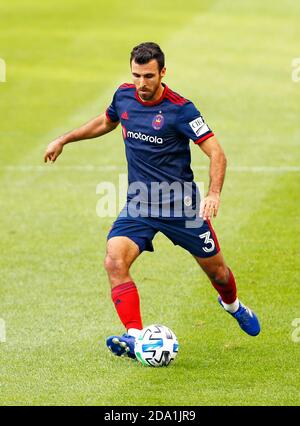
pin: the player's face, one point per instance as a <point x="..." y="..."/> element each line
<point x="147" y="79"/>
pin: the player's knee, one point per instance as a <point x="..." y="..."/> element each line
<point x="220" y="275"/>
<point x="115" y="266"/>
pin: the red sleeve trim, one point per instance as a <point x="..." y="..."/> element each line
<point x="209" y="135"/>
<point x="107" y="116"/>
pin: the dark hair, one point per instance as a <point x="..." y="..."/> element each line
<point x="145" y="52"/>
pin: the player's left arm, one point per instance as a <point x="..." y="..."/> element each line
<point x="210" y="204"/>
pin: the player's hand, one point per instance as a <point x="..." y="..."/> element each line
<point x="209" y="206"/>
<point x="53" y="150"/>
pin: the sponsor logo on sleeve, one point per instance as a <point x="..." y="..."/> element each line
<point x="198" y="126"/>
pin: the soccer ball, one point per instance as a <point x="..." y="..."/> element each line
<point x="156" y="346"/>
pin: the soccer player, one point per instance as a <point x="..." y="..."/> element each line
<point x="157" y="125"/>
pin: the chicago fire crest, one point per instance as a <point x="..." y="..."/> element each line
<point x="158" y="122"/>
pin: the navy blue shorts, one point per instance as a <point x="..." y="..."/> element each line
<point x="199" y="241"/>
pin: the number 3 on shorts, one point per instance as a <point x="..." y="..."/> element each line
<point x="207" y="240"/>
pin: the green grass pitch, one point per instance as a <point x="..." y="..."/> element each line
<point x="64" y="60"/>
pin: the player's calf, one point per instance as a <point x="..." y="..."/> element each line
<point x="225" y="285"/>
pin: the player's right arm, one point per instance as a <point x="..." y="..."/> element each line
<point x="96" y="127"/>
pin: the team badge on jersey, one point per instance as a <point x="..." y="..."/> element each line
<point x="158" y="122"/>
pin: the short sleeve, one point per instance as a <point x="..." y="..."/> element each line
<point x="191" y="124"/>
<point x="111" y="112"/>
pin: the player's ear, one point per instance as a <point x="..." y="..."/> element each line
<point x="163" y="72"/>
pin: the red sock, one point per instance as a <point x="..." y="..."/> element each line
<point x="227" y="291"/>
<point x="127" y="302"/>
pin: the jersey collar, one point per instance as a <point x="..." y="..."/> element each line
<point x="149" y="103"/>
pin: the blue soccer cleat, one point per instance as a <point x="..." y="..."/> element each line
<point x="247" y="319"/>
<point x="121" y="345"/>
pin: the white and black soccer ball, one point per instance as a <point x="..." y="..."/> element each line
<point x="156" y="346"/>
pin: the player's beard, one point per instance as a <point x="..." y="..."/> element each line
<point x="148" y="95"/>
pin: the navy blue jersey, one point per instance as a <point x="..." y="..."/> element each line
<point x="156" y="136"/>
